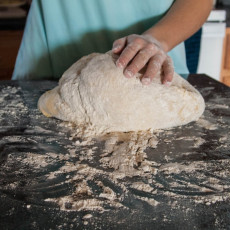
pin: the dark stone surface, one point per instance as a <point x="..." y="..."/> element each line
<point x="24" y="187"/>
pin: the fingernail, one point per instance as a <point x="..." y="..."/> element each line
<point x="128" y="74"/>
<point x="116" y="48"/>
<point x="145" y="80"/>
<point x="119" y="65"/>
<point x="168" y="83"/>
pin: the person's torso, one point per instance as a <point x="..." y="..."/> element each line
<point x="75" y="28"/>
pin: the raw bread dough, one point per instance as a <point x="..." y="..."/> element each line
<point x="93" y="93"/>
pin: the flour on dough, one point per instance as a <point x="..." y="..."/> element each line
<point x="93" y="93"/>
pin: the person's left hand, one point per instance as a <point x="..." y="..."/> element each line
<point x="138" y="51"/>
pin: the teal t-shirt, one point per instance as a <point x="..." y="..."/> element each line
<point x="59" y="32"/>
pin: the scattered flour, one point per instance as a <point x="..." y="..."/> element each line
<point x="107" y="170"/>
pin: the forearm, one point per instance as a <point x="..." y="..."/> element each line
<point x="183" y="19"/>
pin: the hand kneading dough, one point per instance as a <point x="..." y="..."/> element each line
<point x="94" y="93"/>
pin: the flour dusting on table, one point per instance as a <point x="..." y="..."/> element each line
<point x="48" y="163"/>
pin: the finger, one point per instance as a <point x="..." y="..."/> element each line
<point x="140" y="60"/>
<point x="154" y="66"/>
<point x="168" y="71"/>
<point x="129" y="52"/>
<point x="119" y="44"/>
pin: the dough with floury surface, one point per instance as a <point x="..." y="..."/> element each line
<point x="94" y="94"/>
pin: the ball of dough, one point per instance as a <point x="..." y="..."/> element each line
<point x="95" y="94"/>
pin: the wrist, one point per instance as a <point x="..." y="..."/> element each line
<point x="152" y="32"/>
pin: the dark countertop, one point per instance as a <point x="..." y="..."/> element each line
<point x="191" y="187"/>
